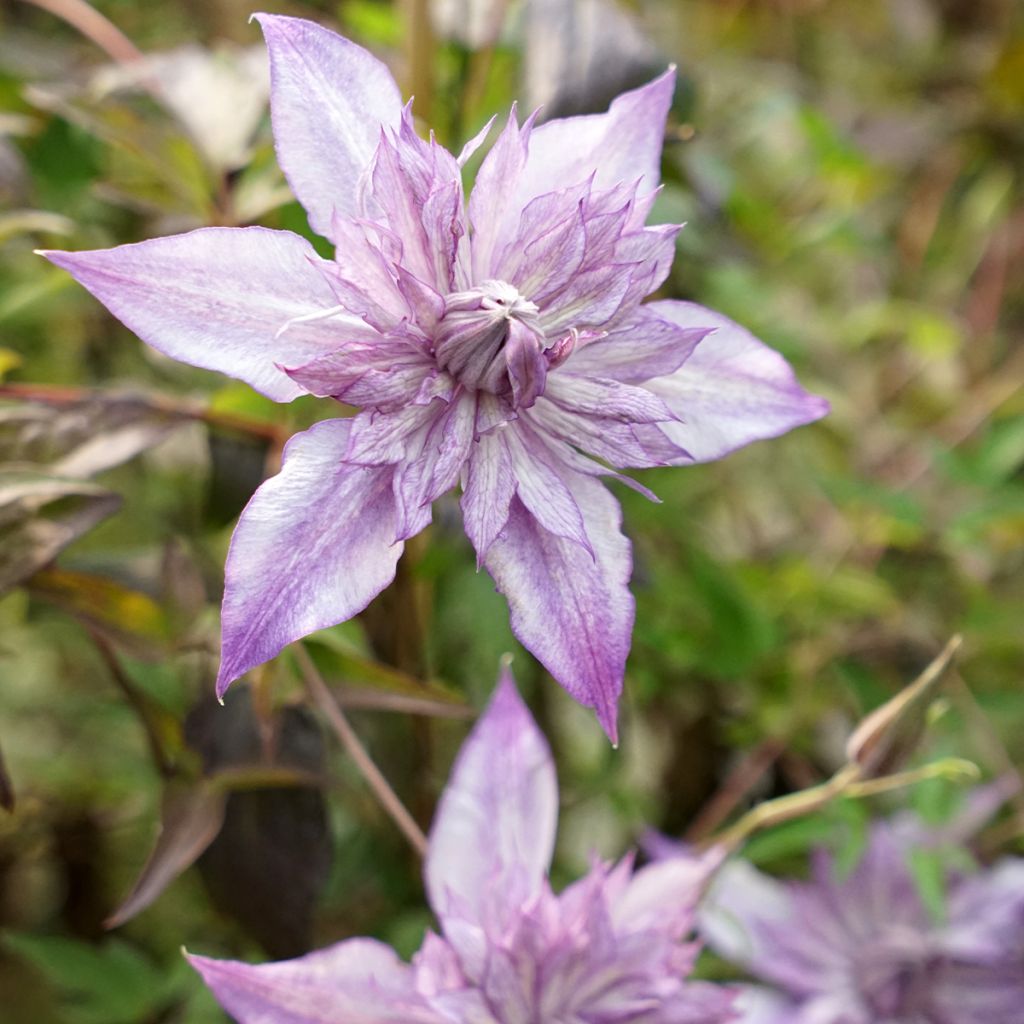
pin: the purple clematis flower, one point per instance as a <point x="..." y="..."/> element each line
<point x="610" y="949"/>
<point x="499" y="344"/>
<point x="866" y="949"/>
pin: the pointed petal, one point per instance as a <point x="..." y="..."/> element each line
<point x="313" y="547"/>
<point x="492" y="216"/>
<point x="494" y="832"/>
<point x="402" y="208"/>
<point x="590" y="299"/>
<point x="383" y="439"/>
<point x="217" y="298"/>
<point x="620" y="443"/>
<point x="610" y="399"/>
<point x="607" y="214"/>
<point x="540" y="487"/>
<point x="362" y="382"/>
<point x="426" y="304"/>
<point x="467" y="151"/>
<point x="360" y="261"/>
<point x="359" y="981"/>
<point x="664" y="896"/>
<point x="444" y="227"/>
<point x="549" y="245"/>
<point x="640" y="346"/>
<point x="425" y="476"/>
<point x="328" y="101"/>
<point x="488" y="491"/>
<point x="573" y="611"/>
<point x="623" y="145"/>
<point x="732" y="390"/>
<point x="650" y="253"/>
<point x="381" y="371"/>
<point x="417" y="193"/>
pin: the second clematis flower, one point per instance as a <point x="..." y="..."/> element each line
<point x="610" y="949"/>
<point x="499" y="345"/>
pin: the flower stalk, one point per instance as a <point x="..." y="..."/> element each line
<point x="374" y="778"/>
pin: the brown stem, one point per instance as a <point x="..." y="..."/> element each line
<point x="743" y="777"/>
<point x="387" y="797"/>
<point x="426" y="707"/>
<point x="94" y="26"/>
<point x="163" y="762"/>
<point x="56" y="395"/>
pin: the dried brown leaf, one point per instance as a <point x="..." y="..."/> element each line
<point x="40" y="515"/>
<point x="84" y="437"/>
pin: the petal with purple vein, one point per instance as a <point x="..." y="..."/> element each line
<point x="329" y="99"/>
<point x="490" y="213"/>
<point x="495" y="825"/>
<point x="640" y="346"/>
<point x="540" y="487"/>
<point x="359" y="981"/>
<point x="217" y="298"/>
<point x="435" y="469"/>
<point x="622" y="145"/>
<point x="312" y="548"/>
<point x="620" y="444"/>
<point x="731" y="391"/>
<point x="384" y="373"/>
<point x="488" y="491"/>
<point x="572" y="610"/>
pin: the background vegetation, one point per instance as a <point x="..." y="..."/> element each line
<point x="851" y="178"/>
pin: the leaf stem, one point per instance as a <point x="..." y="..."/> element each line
<point x="94" y="26"/>
<point x="322" y="697"/>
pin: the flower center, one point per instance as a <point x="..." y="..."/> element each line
<point x="490" y="339"/>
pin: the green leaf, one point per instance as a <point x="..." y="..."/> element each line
<point x="928" y="869"/>
<point x="108" y="984"/>
<point x="372" y="23"/>
<point x="128" y="616"/>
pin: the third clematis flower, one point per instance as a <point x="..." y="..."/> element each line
<point x="610" y="949"/>
<point x="499" y="344"/>
<point x="867" y="948"/>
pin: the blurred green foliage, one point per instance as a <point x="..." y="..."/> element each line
<point x="851" y="180"/>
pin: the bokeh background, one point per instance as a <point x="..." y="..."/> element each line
<point x="850" y="174"/>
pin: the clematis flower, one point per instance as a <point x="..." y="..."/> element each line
<point x="865" y="949"/>
<point x="610" y="949"/>
<point x="500" y="345"/>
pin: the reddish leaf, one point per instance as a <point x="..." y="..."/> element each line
<point x="191" y="817"/>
